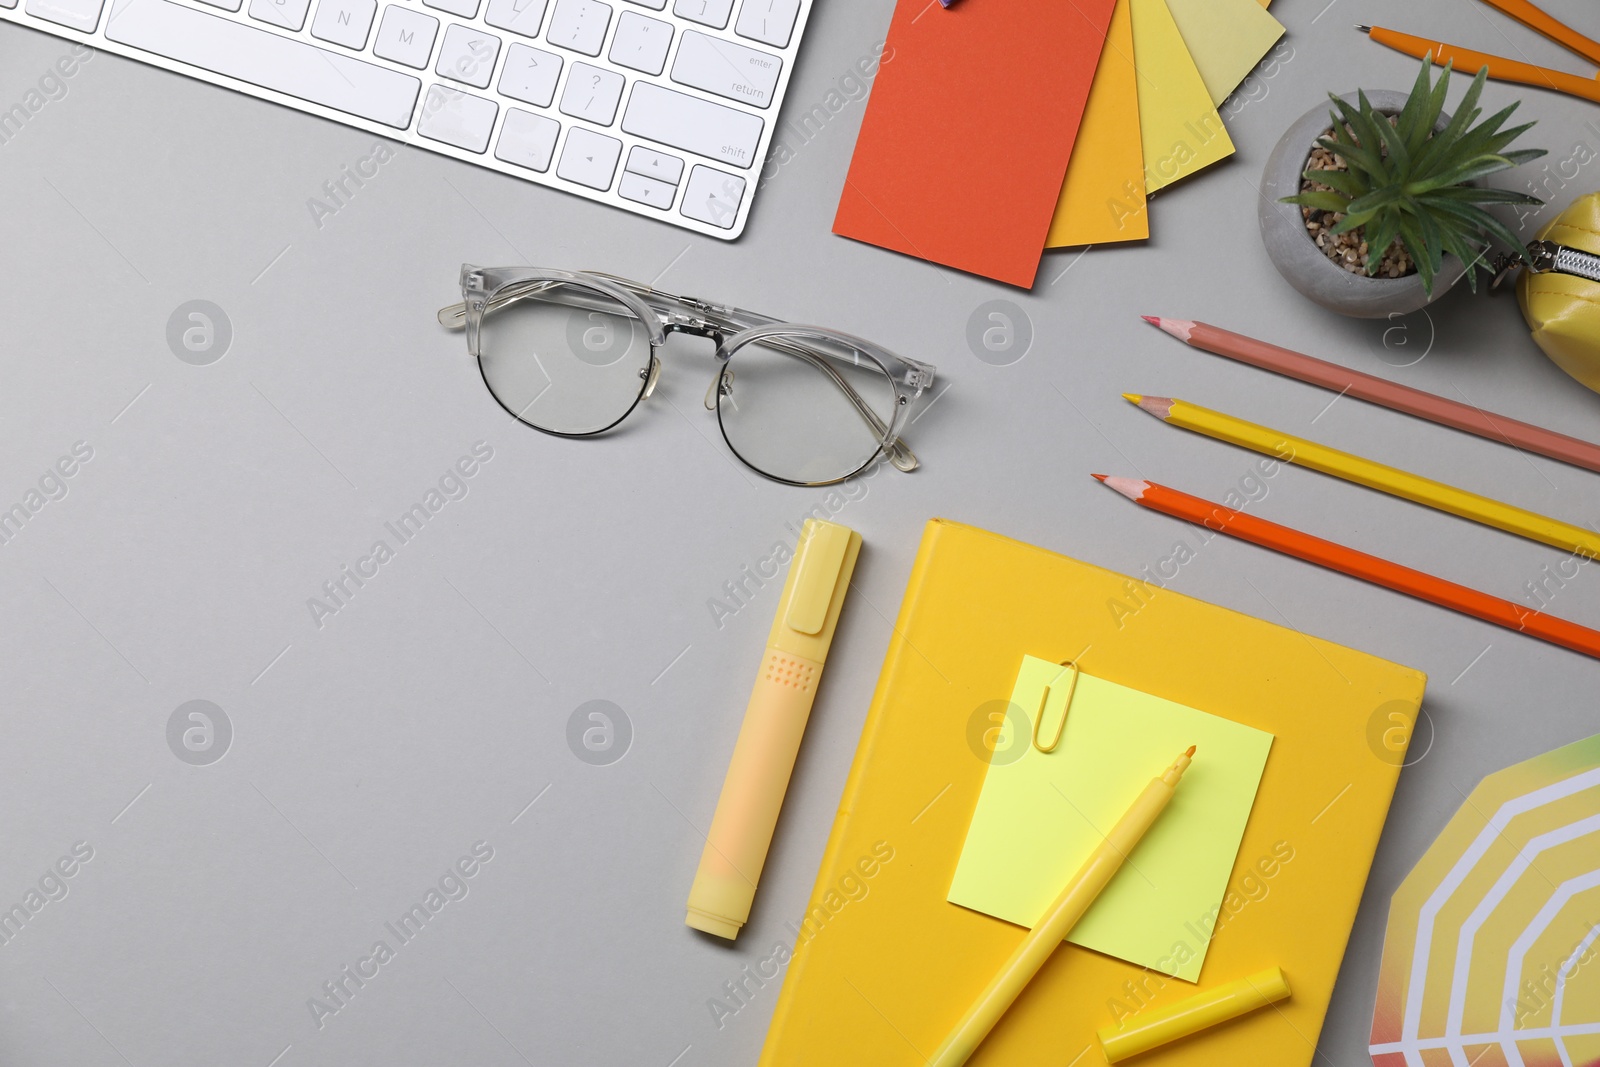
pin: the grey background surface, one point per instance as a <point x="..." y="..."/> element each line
<point x="369" y="754"/>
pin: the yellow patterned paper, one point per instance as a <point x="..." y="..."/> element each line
<point x="1492" y="954"/>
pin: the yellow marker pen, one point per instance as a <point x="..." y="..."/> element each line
<point x="1060" y="917"/>
<point x="763" y="757"/>
<point x="1152" y="1029"/>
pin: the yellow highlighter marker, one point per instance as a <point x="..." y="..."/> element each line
<point x="763" y="757"/>
<point x="1193" y="1014"/>
<point x="1060" y="917"/>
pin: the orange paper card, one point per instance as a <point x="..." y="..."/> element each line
<point x="967" y="134"/>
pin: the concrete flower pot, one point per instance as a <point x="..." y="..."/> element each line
<point x="1295" y="253"/>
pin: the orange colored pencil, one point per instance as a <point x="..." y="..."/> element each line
<point x="1357" y="564"/>
<point x="1500" y="68"/>
<point x="1382" y="391"/>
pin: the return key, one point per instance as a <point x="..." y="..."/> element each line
<point x="729" y="70"/>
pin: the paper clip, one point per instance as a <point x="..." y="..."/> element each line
<point x="1066" y="706"/>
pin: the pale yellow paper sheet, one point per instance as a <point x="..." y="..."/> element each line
<point x="1102" y="200"/>
<point x="1178" y="123"/>
<point x="1227" y="38"/>
<point x="1040" y="815"/>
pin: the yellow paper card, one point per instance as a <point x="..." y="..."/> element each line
<point x="1227" y="38"/>
<point x="1178" y="123"/>
<point x="1102" y="200"/>
<point x="1041" y="814"/>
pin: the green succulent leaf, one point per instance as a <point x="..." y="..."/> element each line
<point x="1410" y="122"/>
<point x="1525" y="155"/>
<point x="1432" y="238"/>
<point x="1412" y="236"/>
<point x="1320" y="201"/>
<point x="1380" y="235"/>
<point x="1481" y="167"/>
<point x="1375" y="200"/>
<point x="1416" y="183"/>
<point x="1351" y="222"/>
<point x="1473" y="194"/>
<point x="1395" y="146"/>
<point x="1351" y="185"/>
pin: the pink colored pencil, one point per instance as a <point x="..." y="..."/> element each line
<point x="1383" y="392"/>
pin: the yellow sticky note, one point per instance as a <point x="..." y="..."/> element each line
<point x="1227" y="38"/>
<point x="1041" y="814"/>
<point x="1178" y="123"/>
<point x="1102" y="200"/>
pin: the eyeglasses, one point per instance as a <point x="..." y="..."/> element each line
<point x="572" y="353"/>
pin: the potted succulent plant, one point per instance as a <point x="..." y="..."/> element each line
<point x="1388" y="197"/>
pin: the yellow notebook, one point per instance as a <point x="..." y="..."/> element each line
<point x="884" y="965"/>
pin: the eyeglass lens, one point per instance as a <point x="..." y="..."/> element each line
<point x="797" y="414"/>
<point x="565" y="358"/>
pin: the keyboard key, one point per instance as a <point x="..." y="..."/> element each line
<point x="467" y="56"/>
<point x="641" y="43"/>
<point x="579" y="25"/>
<point x="647" y="190"/>
<point x="405" y="36"/>
<point x="345" y="22"/>
<point x="290" y="14"/>
<point x="8" y="3"/>
<point x="226" y="5"/>
<point x="457" y="118"/>
<point x="530" y="75"/>
<point x="727" y="69"/>
<point x="74" y="14"/>
<point x="465" y="8"/>
<point x="260" y="57"/>
<point x="657" y="165"/>
<point x="526" y="139"/>
<point x="592" y="93"/>
<point x="768" y="21"/>
<point x="713" y="197"/>
<point x="518" y="16"/>
<point x="655" y="4"/>
<point x="713" y="13"/>
<point x="681" y="121"/>
<point x="589" y="158"/>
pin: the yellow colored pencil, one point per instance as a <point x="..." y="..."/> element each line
<point x="1373" y="475"/>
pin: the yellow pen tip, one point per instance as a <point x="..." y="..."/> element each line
<point x="1132" y="398"/>
<point x="1190" y="753"/>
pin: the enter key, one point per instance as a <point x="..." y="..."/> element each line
<point x="729" y="70"/>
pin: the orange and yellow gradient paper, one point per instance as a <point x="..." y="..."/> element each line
<point x="1492" y="952"/>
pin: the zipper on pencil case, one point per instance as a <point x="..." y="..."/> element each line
<point x="1551" y="258"/>
<point x="1548" y="258"/>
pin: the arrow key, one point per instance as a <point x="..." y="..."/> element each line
<point x="657" y="165"/>
<point x="589" y="158"/>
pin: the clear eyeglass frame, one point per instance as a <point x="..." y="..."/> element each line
<point x="485" y="290"/>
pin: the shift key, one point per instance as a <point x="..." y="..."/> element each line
<point x="692" y="124"/>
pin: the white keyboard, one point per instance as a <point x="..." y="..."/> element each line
<point x="666" y="113"/>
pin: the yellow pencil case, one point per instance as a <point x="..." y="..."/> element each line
<point x="1560" y="293"/>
